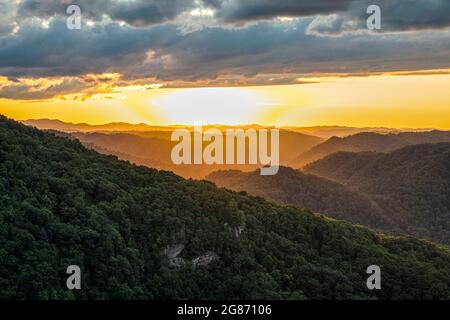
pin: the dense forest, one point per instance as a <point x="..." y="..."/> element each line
<point x="412" y="183"/>
<point x="403" y="192"/>
<point x="302" y="190"/>
<point x="369" y="142"/>
<point x="139" y="233"/>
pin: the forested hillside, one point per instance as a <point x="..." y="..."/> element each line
<point x="413" y="182"/>
<point x="139" y="233"/>
<point x="369" y="141"/>
<point x="294" y="187"/>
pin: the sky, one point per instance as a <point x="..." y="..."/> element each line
<point x="284" y="62"/>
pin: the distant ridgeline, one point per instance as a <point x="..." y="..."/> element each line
<point x="368" y="142"/>
<point x="152" y="146"/>
<point x="139" y="233"/>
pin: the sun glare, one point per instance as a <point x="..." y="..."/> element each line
<point x="211" y="105"/>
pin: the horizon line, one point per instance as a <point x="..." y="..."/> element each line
<point x="325" y="126"/>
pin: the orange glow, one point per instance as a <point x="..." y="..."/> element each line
<point x="395" y="100"/>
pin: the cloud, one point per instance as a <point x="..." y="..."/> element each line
<point x="396" y="16"/>
<point x="56" y="51"/>
<point x="415" y="14"/>
<point x="138" y="13"/>
<point x="236" y="80"/>
<point x="164" y="53"/>
<point x="160" y="42"/>
<point x="7" y="17"/>
<point x="251" y="10"/>
<point x="25" y="90"/>
<point x="144" y="13"/>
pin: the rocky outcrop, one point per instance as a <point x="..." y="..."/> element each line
<point x="173" y="252"/>
<point x="205" y="259"/>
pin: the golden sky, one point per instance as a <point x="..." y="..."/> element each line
<point x="407" y="101"/>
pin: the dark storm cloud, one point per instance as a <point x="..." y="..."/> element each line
<point x="416" y="14"/>
<point x="136" y="13"/>
<point x="396" y="15"/>
<point x="56" y="51"/>
<point x="142" y="13"/>
<point x="264" y="48"/>
<point x="263" y="52"/>
<point x="250" y="10"/>
<point x="164" y="53"/>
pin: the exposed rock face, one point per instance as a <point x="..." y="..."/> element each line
<point x="205" y="259"/>
<point x="172" y="253"/>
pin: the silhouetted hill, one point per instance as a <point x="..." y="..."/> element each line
<point x="369" y="141"/>
<point x="153" y="149"/>
<point x="327" y="132"/>
<point x="53" y="124"/>
<point x="151" y="146"/>
<point x="414" y="181"/>
<point x="139" y="233"/>
<point x="324" y="132"/>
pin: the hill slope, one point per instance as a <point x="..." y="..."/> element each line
<point x="369" y="141"/>
<point x="414" y="181"/>
<point x="294" y="187"/>
<point x="138" y="233"/>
